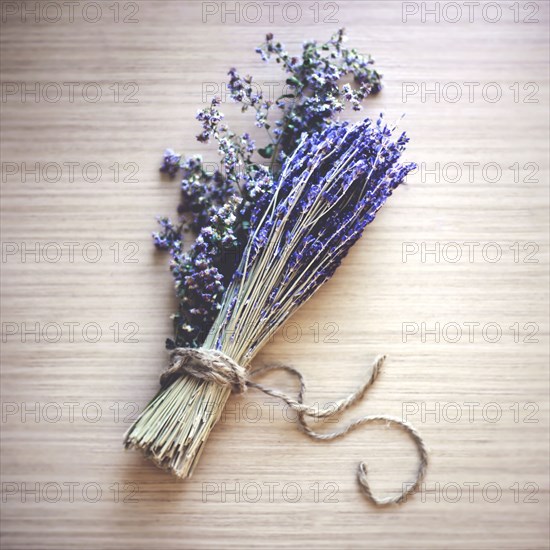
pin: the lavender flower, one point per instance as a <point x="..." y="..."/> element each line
<point x="315" y="96"/>
<point x="171" y="163"/>
<point x="329" y="190"/>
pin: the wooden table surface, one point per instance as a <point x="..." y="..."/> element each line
<point x="451" y="281"/>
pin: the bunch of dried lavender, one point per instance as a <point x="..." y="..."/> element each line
<point x="301" y="227"/>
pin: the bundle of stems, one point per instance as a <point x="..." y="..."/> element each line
<point x="329" y="189"/>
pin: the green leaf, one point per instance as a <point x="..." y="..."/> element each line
<point x="293" y="81"/>
<point x="267" y="151"/>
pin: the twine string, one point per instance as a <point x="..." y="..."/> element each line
<point x="215" y="366"/>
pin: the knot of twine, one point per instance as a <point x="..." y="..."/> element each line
<point x="215" y="366"/>
<point x="206" y="364"/>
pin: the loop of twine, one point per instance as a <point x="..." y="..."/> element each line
<point x="215" y="366"/>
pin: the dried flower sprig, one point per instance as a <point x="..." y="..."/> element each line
<point x="329" y="189"/>
<point x="314" y="96"/>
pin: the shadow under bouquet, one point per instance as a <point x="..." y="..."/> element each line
<point x="272" y="224"/>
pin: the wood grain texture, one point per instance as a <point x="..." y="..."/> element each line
<point x="291" y="491"/>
